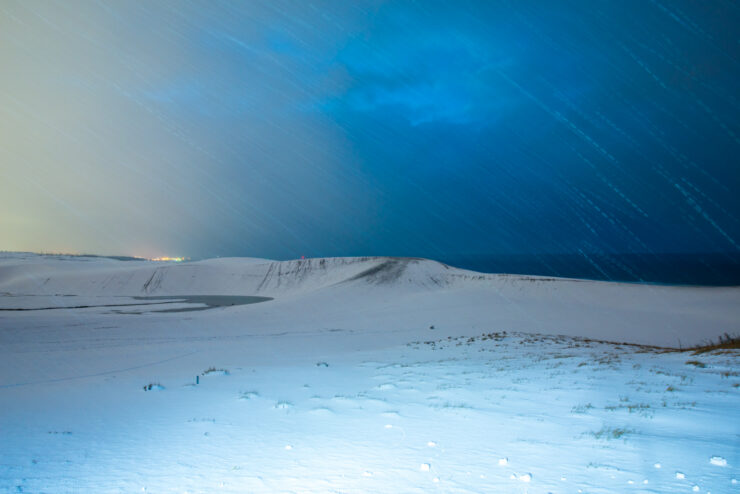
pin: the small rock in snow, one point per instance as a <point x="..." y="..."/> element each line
<point x="718" y="460"/>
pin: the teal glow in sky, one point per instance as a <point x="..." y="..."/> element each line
<point x="279" y="129"/>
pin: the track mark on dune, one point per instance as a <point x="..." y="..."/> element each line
<point x="156" y="274"/>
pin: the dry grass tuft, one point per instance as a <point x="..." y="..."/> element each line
<point x="726" y="342"/>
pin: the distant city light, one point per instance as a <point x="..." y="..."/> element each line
<point x="173" y="259"/>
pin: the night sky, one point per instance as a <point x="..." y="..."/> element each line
<point x="434" y="129"/>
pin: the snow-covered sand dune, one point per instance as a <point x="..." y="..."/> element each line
<point x="358" y="375"/>
<point x="364" y="292"/>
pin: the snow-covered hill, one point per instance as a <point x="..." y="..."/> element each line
<point x="364" y="291"/>
<point x="244" y="276"/>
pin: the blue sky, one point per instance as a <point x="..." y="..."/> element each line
<point x="434" y="129"/>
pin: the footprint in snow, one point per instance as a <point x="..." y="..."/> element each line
<point x="525" y="477"/>
<point x="425" y="467"/>
<point x="718" y="461"/>
<point x="283" y="405"/>
<point x="680" y="475"/>
<point x="503" y="462"/>
<point x="386" y="386"/>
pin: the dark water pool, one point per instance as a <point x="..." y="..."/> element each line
<point x="200" y="302"/>
<point x="210" y="301"/>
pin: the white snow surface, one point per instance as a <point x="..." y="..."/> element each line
<point x="340" y="384"/>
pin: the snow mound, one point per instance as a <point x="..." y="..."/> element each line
<point x="41" y="275"/>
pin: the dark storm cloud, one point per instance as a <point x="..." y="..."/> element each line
<point x="341" y="128"/>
